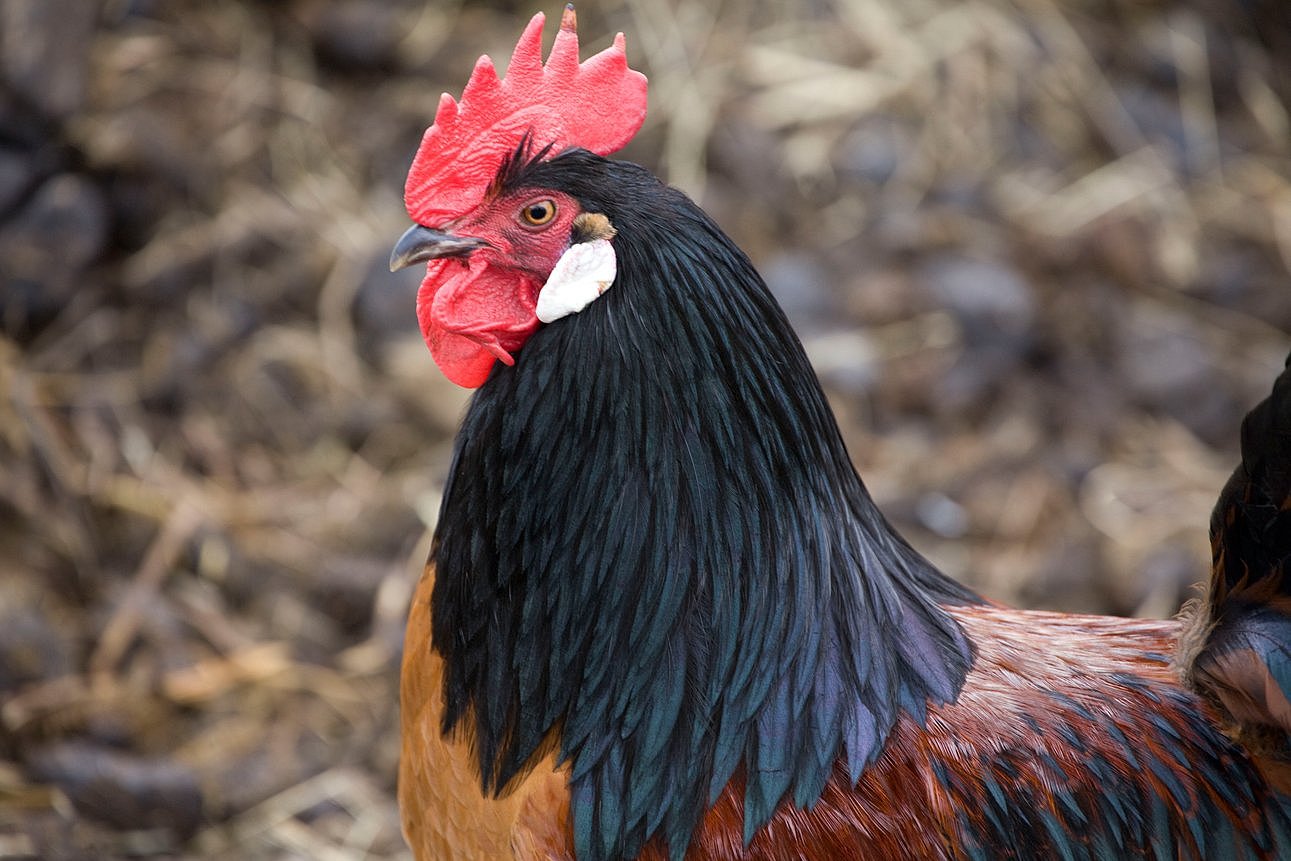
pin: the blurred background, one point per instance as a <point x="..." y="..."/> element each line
<point x="1038" y="251"/>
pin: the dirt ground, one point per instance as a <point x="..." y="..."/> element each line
<point x="1039" y="251"/>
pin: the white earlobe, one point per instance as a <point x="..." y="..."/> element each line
<point x="583" y="272"/>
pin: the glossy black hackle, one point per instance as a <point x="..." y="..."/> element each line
<point x="655" y="555"/>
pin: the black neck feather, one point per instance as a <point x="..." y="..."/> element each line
<point x="655" y="554"/>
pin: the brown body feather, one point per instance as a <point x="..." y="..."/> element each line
<point x="1036" y="680"/>
<point x="1007" y="713"/>
<point x="446" y="817"/>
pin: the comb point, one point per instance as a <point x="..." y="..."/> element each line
<point x="447" y="110"/>
<point x="483" y="81"/>
<point x="563" y="62"/>
<point x="526" y="59"/>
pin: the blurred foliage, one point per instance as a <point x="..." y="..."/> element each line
<point x="1038" y="251"/>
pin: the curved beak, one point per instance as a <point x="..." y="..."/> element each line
<point x="419" y="244"/>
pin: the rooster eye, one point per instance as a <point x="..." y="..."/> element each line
<point x="539" y="213"/>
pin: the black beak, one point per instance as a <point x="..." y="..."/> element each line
<point x="422" y="243"/>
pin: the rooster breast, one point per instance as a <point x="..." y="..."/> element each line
<point x="446" y="816"/>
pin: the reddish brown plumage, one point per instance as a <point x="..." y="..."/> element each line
<point x="901" y="809"/>
<point x="1007" y="713"/>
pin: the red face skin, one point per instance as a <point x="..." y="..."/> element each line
<point x="477" y="310"/>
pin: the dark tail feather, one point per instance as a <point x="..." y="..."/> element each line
<point x="1236" y="650"/>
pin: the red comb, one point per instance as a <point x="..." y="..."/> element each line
<point x="597" y="105"/>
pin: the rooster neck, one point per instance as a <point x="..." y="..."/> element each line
<point x="655" y="554"/>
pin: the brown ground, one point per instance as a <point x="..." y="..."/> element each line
<point x="1038" y="250"/>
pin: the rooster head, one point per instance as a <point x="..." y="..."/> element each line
<point x="503" y="258"/>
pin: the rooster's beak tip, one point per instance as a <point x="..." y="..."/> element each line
<point x="419" y="244"/>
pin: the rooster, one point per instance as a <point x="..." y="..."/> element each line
<point x="662" y="617"/>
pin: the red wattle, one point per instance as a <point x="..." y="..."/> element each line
<point x="472" y="317"/>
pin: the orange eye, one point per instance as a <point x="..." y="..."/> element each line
<point x="539" y="212"/>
